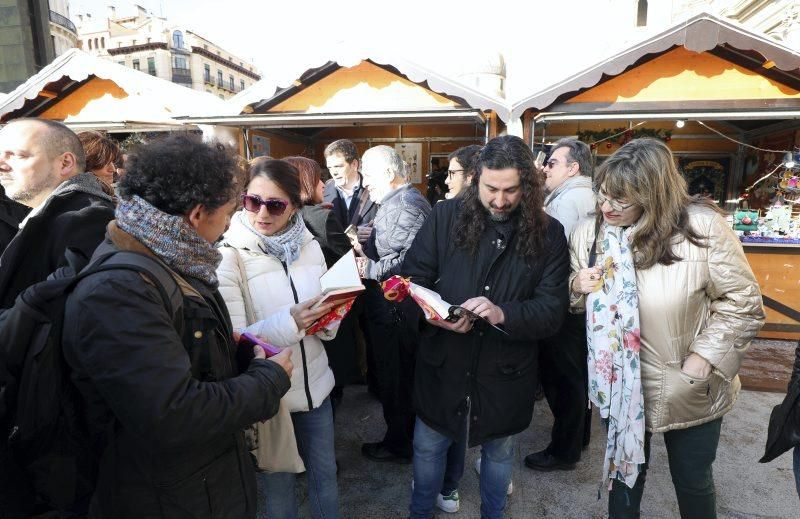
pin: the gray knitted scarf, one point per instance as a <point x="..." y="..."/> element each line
<point x="284" y="245"/>
<point x="171" y="238"/>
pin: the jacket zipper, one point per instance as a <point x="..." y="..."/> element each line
<point x="302" y="344"/>
<point x="473" y="373"/>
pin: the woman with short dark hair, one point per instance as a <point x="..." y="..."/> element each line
<point x="102" y="155"/>
<point x="671" y="306"/>
<point x="320" y="221"/>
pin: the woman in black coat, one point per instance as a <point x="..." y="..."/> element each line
<point x="784" y="423"/>
<point x="320" y="222"/>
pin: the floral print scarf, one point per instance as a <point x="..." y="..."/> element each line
<point x="615" y="381"/>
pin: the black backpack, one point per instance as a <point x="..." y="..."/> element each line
<point x="40" y="408"/>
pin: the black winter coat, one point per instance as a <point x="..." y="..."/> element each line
<point x="325" y="228"/>
<point x="784" y="422"/>
<point x="493" y="373"/>
<point x="72" y="219"/>
<point x="163" y="400"/>
<point x="11" y="214"/>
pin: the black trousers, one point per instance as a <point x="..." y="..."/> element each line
<point x="393" y="346"/>
<point x="564" y="376"/>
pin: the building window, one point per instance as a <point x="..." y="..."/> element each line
<point x="177" y="39"/>
<point x="151" y="66"/>
<point x="121" y="63"/>
<point x="179" y="62"/>
<point x="230" y="82"/>
<point x="207" y="73"/>
<point x="96" y="46"/>
<point x="136" y="64"/>
<point x="641" y="13"/>
<point x="90" y="43"/>
<point x="103" y="42"/>
<point x="241" y="84"/>
<point x="219" y="78"/>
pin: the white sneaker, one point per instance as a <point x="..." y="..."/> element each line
<point x="478" y="470"/>
<point x="446" y="503"/>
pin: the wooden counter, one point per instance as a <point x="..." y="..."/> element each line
<point x="777" y="269"/>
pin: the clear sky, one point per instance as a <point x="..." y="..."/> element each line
<point x="541" y="41"/>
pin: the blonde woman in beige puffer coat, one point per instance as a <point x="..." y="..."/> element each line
<point x="672" y="306"/>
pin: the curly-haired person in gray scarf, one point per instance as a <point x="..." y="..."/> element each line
<point x="162" y="392"/>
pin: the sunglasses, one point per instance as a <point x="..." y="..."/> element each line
<point x="275" y="206"/>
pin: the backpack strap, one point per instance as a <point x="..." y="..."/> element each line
<point x="167" y="287"/>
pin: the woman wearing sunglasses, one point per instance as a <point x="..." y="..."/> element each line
<point x="269" y="278"/>
<point x="672" y="305"/>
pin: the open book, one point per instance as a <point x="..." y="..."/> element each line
<point x="341" y="282"/>
<point x="432" y="304"/>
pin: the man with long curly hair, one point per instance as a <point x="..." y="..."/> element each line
<point x="497" y="254"/>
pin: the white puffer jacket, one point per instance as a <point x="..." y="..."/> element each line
<point x="272" y="297"/>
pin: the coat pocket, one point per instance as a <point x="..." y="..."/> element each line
<point x="210" y="492"/>
<point x="689" y="398"/>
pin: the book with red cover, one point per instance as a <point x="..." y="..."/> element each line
<point x="340" y="284"/>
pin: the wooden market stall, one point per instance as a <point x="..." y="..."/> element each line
<point x="382" y="100"/>
<point x="90" y="93"/>
<point x="726" y="101"/>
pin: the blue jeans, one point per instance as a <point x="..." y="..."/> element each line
<point x="314" y="433"/>
<point x="430" y="460"/>
<point x="797" y="469"/>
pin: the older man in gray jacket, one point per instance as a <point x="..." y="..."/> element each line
<point x="562" y="358"/>
<point x="402" y="212"/>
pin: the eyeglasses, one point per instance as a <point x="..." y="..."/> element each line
<point x="616" y="205"/>
<point x="275" y="206"/>
<point x="451" y="172"/>
<point x="552" y="163"/>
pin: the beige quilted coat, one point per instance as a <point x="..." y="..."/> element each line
<point x="709" y="303"/>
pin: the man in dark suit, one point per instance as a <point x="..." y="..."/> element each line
<point x="351" y="205"/>
<point x="351" y="202"/>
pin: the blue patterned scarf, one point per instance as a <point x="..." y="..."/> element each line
<point x="171" y="238"/>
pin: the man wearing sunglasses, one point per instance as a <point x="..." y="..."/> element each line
<point x="562" y="358"/>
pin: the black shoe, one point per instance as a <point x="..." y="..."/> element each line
<point x="545" y="462"/>
<point x="377" y="451"/>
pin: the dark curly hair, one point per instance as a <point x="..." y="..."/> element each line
<point x="179" y="171"/>
<point x="505" y="152"/>
<point x="466" y="158"/>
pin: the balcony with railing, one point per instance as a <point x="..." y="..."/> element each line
<point x="182" y="76"/>
<point x="63" y="21"/>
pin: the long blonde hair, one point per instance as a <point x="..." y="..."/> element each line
<point x="643" y="172"/>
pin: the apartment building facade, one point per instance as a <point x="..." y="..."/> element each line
<point x="153" y="45"/>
